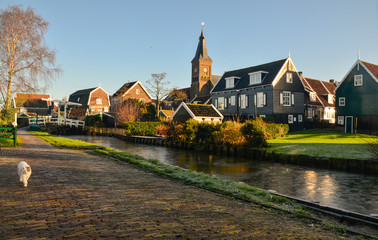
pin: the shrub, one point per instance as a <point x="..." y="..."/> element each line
<point x="229" y="135"/>
<point x="373" y="147"/>
<point x="205" y="132"/>
<point x="255" y="133"/>
<point x="7" y="115"/>
<point x="140" y="128"/>
<point x="162" y="130"/>
<point x="190" y="129"/>
<point x="178" y="132"/>
<point x="276" y="130"/>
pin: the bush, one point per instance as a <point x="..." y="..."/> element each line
<point x="274" y="130"/>
<point x="7" y="115"/>
<point x="190" y="129"/>
<point x="140" y="128"/>
<point x="255" y="133"/>
<point x="205" y="132"/>
<point x="178" y="133"/>
<point x="162" y="130"/>
<point x="229" y="135"/>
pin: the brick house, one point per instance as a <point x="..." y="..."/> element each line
<point x="129" y="90"/>
<point x="96" y="100"/>
<point x="32" y="103"/>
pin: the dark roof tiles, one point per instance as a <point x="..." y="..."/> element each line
<point x="202" y="110"/>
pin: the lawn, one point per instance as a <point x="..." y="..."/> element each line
<point x="323" y="143"/>
<point x="9" y="142"/>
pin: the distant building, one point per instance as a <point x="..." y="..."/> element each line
<point x="167" y="114"/>
<point x="319" y="99"/>
<point x="199" y="112"/>
<point x="32" y="103"/>
<point x="202" y="78"/>
<point x="357" y="98"/>
<point x="134" y="90"/>
<point x="272" y="90"/>
<point x="96" y="100"/>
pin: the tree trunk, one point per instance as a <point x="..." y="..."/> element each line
<point x="9" y="91"/>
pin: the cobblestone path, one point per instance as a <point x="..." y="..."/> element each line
<point x="72" y="194"/>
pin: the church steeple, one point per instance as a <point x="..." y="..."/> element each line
<point x="201" y="53"/>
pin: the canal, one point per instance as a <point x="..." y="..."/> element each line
<point x="348" y="191"/>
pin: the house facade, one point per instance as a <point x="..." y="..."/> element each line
<point x="32" y="103"/>
<point x="199" y="112"/>
<point x="272" y="90"/>
<point x="96" y="100"/>
<point x="134" y="90"/>
<point x="319" y="99"/>
<point x="357" y="98"/>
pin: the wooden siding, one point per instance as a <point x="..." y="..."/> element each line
<point x="182" y="115"/>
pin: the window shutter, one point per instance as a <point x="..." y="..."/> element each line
<point x="225" y="102"/>
<point x="281" y="98"/>
<point x="255" y="99"/>
<point x="264" y="99"/>
<point x="292" y="99"/>
<point x="216" y="103"/>
<point x="239" y="98"/>
<point x="246" y="101"/>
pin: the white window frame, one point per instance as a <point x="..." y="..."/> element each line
<point x="106" y="109"/>
<point x="331" y="98"/>
<point x="262" y="116"/>
<point x="341" y="101"/>
<point x="358" y="80"/>
<point x="300" y="118"/>
<point x="260" y="99"/>
<point x="232" y="101"/>
<point x="290" y="118"/>
<point x="230" y="82"/>
<point x="243" y="101"/>
<point x="340" y="120"/>
<point x="254" y="78"/>
<point x="99" y="101"/>
<point x="312" y="97"/>
<point x="137" y="91"/>
<point x="289" y="77"/>
<point x="286" y="98"/>
<point x="221" y="103"/>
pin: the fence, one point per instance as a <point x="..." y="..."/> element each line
<point x="48" y="119"/>
<point x="8" y="130"/>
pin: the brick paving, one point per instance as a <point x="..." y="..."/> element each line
<point x="72" y="194"/>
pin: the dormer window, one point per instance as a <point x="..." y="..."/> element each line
<point x="312" y="97"/>
<point x="358" y="80"/>
<point x="230" y="82"/>
<point x="256" y="77"/>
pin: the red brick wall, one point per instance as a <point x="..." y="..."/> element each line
<point x="133" y="94"/>
<point x="99" y="93"/>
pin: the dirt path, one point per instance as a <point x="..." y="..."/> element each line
<point x="72" y="194"/>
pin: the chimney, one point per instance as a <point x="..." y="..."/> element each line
<point x="332" y="80"/>
<point x="300" y="74"/>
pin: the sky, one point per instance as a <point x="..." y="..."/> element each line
<point x="111" y="42"/>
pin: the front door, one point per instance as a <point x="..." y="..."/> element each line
<point x="349" y="124"/>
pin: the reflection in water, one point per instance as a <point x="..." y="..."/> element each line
<point x="354" y="192"/>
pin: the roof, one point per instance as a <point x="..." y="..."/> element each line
<point x="372" y="68"/>
<point x="215" y="78"/>
<point x="322" y="90"/>
<point x="124" y="88"/>
<point x="81" y="96"/>
<point x="201" y="53"/>
<point x="272" y="69"/>
<point x="77" y="112"/>
<point x="167" y="113"/>
<point x="32" y="100"/>
<point x="201" y="100"/>
<point x="203" y="110"/>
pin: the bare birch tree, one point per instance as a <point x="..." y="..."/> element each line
<point x="159" y="88"/>
<point x="27" y="64"/>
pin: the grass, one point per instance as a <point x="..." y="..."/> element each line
<point x="323" y="143"/>
<point x="9" y="142"/>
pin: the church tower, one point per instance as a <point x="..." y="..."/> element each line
<point x="201" y="71"/>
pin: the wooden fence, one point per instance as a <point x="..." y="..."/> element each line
<point x="8" y="130"/>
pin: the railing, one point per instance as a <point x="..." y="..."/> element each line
<point x="8" y="130"/>
<point x="60" y="121"/>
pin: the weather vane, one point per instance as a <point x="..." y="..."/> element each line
<point x="202" y="24"/>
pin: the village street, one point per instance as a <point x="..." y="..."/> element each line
<point x="72" y="194"/>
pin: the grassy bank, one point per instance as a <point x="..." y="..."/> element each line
<point x="322" y="143"/>
<point x="9" y="142"/>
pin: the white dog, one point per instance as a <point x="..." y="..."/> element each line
<point x="24" y="171"/>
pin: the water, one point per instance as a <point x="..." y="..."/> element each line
<point x="349" y="191"/>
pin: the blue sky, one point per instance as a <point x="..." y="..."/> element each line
<point x="111" y="42"/>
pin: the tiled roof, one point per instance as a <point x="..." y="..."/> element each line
<point x="83" y="91"/>
<point x="372" y="68"/>
<point x="201" y="53"/>
<point x="202" y="110"/>
<point x="124" y="88"/>
<point x="31" y="99"/>
<point x="215" y="78"/>
<point x="322" y="89"/>
<point x="201" y="100"/>
<point x="167" y="113"/>
<point x="81" y="96"/>
<point x="272" y="68"/>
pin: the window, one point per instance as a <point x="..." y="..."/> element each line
<point x="289" y="77"/>
<point x="285" y="98"/>
<point x="98" y="100"/>
<point x="340" y="120"/>
<point x="262" y="116"/>
<point x="232" y="101"/>
<point x="255" y="78"/>
<point x="260" y="99"/>
<point x="358" y="80"/>
<point x="106" y="109"/>
<point x="342" y="101"/>
<point x="312" y="97"/>
<point x="221" y="103"/>
<point x="310" y="113"/>
<point x="137" y="91"/>
<point x="290" y="119"/>
<point x="78" y="99"/>
<point x="331" y="98"/>
<point x="300" y="118"/>
<point x="216" y="103"/>
<point x="230" y="82"/>
<point x="243" y="101"/>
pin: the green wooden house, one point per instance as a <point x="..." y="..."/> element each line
<point x="357" y="98"/>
